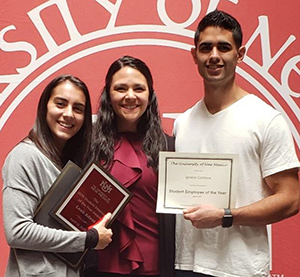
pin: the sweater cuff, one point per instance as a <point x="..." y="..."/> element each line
<point x="91" y="238"/>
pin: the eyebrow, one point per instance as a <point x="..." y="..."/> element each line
<point x="221" y="43"/>
<point x="65" y="100"/>
<point x="125" y="84"/>
<point x="60" y="98"/>
<point x="79" y="104"/>
<point x="224" y="43"/>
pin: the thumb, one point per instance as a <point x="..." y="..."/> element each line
<point x="105" y="220"/>
<point x="190" y="210"/>
<point x="102" y="221"/>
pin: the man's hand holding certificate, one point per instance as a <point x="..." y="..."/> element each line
<point x="191" y="179"/>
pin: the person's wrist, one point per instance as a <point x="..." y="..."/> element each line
<point x="92" y="238"/>
<point x="227" y="219"/>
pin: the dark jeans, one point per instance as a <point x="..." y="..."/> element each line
<point x="184" y="273"/>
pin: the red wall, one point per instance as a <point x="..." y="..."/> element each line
<point x="41" y="39"/>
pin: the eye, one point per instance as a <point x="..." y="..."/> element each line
<point x="60" y="103"/>
<point x="79" y="109"/>
<point x="139" y="89"/>
<point x="120" y="88"/>
<point x="205" y="48"/>
<point x="224" y="48"/>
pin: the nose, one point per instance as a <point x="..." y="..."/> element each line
<point x="68" y="112"/>
<point x="130" y="94"/>
<point x="214" y="54"/>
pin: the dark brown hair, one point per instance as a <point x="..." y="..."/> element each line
<point x="149" y="126"/>
<point x="77" y="148"/>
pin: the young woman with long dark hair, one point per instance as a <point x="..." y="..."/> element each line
<point x="127" y="138"/>
<point x="62" y="132"/>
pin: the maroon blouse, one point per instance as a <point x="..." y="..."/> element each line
<point x="134" y="248"/>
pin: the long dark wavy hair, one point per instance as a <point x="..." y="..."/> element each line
<point x="77" y="148"/>
<point x="149" y="127"/>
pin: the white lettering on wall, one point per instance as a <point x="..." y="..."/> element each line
<point x="168" y="26"/>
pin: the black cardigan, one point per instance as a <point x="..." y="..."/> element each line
<point x="166" y="233"/>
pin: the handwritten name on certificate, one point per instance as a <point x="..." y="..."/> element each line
<point x="189" y="179"/>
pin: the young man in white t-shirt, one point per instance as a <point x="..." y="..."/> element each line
<point x="233" y="242"/>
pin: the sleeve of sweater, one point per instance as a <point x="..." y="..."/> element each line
<point x="27" y="175"/>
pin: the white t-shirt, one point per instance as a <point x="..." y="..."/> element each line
<point x="262" y="139"/>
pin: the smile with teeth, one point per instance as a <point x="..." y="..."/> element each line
<point x="215" y="66"/>
<point x="65" y="125"/>
<point x="130" y="107"/>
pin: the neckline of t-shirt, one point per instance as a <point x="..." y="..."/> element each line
<point x="227" y="108"/>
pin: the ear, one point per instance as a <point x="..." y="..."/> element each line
<point x="194" y="54"/>
<point x="241" y="54"/>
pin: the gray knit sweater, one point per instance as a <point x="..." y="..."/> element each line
<point x="27" y="176"/>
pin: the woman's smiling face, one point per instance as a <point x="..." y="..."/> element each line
<point x="129" y="95"/>
<point x="65" y="112"/>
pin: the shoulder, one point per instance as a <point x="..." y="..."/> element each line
<point x="253" y="113"/>
<point x="170" y="142"/>
<point x="188" y="114"/>
<point x="26" y="160"/>
<point x="254" y="102"/>
<point x="24" y="152"/>
<point x="187" y="117"/>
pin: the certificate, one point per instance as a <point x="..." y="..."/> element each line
<point x="189" y="179"/>
<point x="94" y="194"/>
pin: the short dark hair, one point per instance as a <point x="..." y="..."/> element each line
<point x="223" y="20"/>
<point x="77" y="148"/>
<point x="149" y="126"/>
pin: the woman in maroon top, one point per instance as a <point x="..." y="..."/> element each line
<point x="127" y="139"/>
